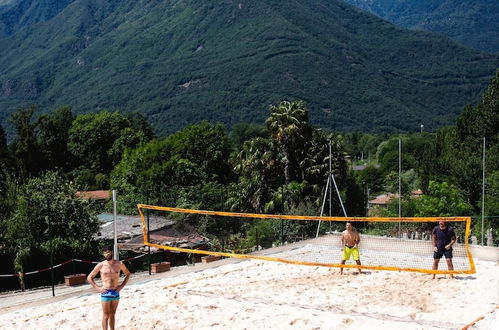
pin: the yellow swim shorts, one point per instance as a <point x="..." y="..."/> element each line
<point x="347" y="252"/>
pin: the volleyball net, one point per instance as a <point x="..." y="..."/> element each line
<point x="397" y="244"/>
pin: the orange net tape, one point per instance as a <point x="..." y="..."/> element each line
<point x="377" y="252"/>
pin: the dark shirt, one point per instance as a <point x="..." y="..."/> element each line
<point x="443" y="237"/>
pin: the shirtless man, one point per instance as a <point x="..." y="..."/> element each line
<point x="350" y="239"/>
<point x="110" y="291"/>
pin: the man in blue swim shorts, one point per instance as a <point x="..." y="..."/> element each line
<point x="109" y="271"/>
<point x="443" y="237"/>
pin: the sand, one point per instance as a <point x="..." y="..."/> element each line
<point x="260" y="294"/>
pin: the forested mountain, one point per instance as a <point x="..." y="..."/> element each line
<point x="182" y="61"/>
<point x="17" y="14"/>
<point x="471" y="22"/>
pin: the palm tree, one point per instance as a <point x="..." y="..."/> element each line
<point x="291" y="132"/>
<point x="256" y="163"/>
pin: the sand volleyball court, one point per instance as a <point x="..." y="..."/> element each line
<point x="253" y="294"/>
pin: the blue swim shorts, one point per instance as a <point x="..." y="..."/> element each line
<point x="109" y="295"/>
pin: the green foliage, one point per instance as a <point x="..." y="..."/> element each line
<point x="492" y="195"/>
<point x="290" y="131"/>
<point x="48" y="217"/>
<point x="98" y="140"/>
<point x="242" y="132"/>
<point x="294" y="150"/>
<point x="471" y="23"/>
<point x="164" y="171"/>
<point x="24" y="148"/>
<point x="483" y="119"/>
<point x="356" y="199"/>
<point x="362" y="147"/>
<point x="442" y="200"/>
<point x="371" y="177"/>
<point x="52" y="139"/>
<point x="457" y="153"/>
<point x="180" y="62"/>
<point x="258" y="166"/>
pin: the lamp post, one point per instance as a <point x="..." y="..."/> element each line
<point x="421" y="126"/>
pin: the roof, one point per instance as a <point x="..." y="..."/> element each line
<point x="127" y="226"/>
<point x="93" y="194"/>
<point x="183" y="237"/>
<point x="383" y="199"/>
<point x="417" y="193"/>
<point x="161" y="231"/>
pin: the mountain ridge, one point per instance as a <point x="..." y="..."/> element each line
<point x="470" y="22"/>
<point x="180" y="62"/>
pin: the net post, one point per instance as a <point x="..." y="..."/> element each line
<point x="115" y="249"/>
<point x="148" y="230"/>
<point x="400" y="186"/>
<point x="483" y="190"/>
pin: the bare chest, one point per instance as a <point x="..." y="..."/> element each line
<point x="110" y="270"/>
<point x="350" y="236"/>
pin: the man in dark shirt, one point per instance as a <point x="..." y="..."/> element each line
<point x="443" y="237"/>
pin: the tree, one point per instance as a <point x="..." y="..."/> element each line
<point x="161" y="170"/>
<point x="315" y="166"/>
<point x="5" y="157"/>
<point x="98" y="140"/>
<point x="24" y="147"/>
<point x="3" y="140"/>
<point x="242" y="132"/>
<point x="482" y="120"/>
<point x="257" y="167"/>
<point x="442" y="200"/>
<point x="207" y="146"/>
<point x="49" y="198"/>
<point x="289" y="127"/>
<point x="53" y="137"/>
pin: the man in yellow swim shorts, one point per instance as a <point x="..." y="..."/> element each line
<point x="350" y="240"/>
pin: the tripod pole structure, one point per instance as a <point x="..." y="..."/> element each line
<point x="329" y="190"/>
<point x="339" y="197"/>
<point x="322" y="207"/>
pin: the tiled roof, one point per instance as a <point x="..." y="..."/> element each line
<point x="383" y="199"/>
<point x="94" y="194"/>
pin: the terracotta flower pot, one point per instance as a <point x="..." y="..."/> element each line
<point x="160" y="267"/>
<point x="210" y="259"/>
<point x="75" y="279"/>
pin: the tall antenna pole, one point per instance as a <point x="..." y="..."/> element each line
<point x="400" y="190"/>
<point x="483" y="188"/>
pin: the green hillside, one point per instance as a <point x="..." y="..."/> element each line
<point x="182" y="61"/>
<point x="471" y="22"/>
<point x="17" y="14"/>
